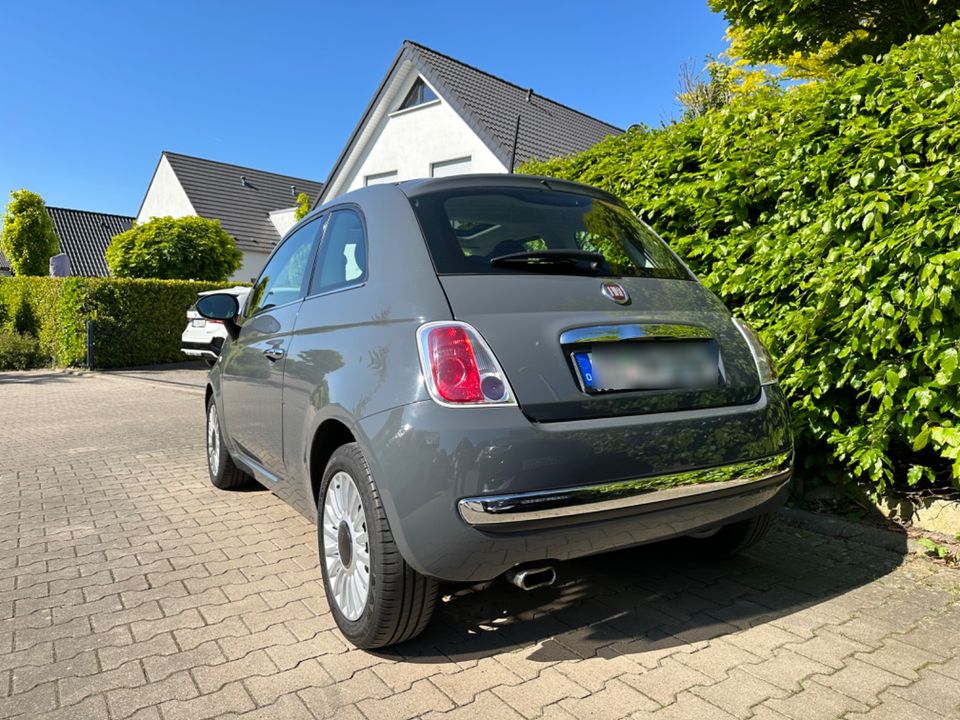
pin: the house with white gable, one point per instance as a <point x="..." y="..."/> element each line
<point x="253" y="206"/>
<point x="433" y="116"/>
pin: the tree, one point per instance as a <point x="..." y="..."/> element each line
<point x="722" y="80"/>
<point x="303" y="206"/>
<point x="187" y="248"/>
<point x="698" y="94"/>
<point x="28" y="240"/>
<point x="807" y="35"/>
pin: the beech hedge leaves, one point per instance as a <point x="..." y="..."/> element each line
<point x="829" y="217"/>
<point x="137" y="322"/>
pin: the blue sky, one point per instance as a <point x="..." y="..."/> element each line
<point x="92" y="92"/>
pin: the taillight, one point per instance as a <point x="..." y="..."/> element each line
<point x="459" y="368"/>
<point x="761" y="356"/>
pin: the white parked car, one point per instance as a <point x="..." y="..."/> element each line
<point x="203" y="338"/>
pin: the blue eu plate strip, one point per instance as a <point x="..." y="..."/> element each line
<point x="586" y="369"/>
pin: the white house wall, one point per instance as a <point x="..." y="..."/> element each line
<point x="253" y="263"/>
<point x="165" y="196"/>
<point x="284" y="219"/>
<point x="407" y="142"/>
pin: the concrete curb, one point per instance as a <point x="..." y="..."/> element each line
<point x="849" y="530"/>
<point x="932" y="514"/>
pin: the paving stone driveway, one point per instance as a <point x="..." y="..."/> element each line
<point x="129" y="587"/>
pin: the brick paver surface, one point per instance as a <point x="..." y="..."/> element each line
<point x="130" y="587"/>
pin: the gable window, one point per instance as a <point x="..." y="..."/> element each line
<point x="419" y="94"/>
<point x="380" y="178"/>
<point x="446" y="168"/>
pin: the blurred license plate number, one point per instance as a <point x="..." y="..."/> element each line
<point x="648" y="366"/>
<point x="199" y="322"/>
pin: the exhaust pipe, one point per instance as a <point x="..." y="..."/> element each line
<point x="532" y="577"/>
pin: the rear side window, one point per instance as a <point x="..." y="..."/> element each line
<point x="343" y="254"/>
<point x="513" y="230"/>
<point x="284" y="278"/>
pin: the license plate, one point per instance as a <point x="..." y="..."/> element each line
<point x="199" y="322"/>
<point x="648" y="366"/>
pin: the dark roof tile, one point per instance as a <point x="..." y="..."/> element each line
<point x="547" y="128"/>
<point x="215" y="190"/>
<point x="84" y="237"/>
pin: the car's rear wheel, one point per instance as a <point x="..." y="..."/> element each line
<point x="376" y="598"/>
<point x="224" y="473"/>
<point x="731" y="539"/>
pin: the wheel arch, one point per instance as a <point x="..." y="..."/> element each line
<point x="331" y="434"/>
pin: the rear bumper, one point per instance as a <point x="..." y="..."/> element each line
<point x="519" y="510"/>
<point x="472" y="492"/>
<point x="209" y="349"/>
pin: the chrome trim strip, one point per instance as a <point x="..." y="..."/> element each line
<point x="616" y="333"/>
<point x="583" y="499"/>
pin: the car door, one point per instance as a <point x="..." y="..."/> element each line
<point x="333" y="331"/>
<point x="253" y="365"/>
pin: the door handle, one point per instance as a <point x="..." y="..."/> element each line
<point x="273" y="354"/>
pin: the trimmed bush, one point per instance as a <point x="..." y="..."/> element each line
<point x="18" y="352"/>
<point x="174" y="248"/>
<point x="31" y="304"/>
<point x="137" y="322"/>
<point x="28" y="238"/>
<point x="829" y="217"/>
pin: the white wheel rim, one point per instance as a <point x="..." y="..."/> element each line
<point x="346" y="547"/>
<point x="213" y="440"/>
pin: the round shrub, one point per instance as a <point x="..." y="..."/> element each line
<point x="188" y="248"/>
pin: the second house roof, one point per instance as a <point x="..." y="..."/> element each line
<point x="241" y="198"/>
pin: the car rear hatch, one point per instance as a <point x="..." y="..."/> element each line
<point x="586" y="309"/>
<point x="539" y="327"/>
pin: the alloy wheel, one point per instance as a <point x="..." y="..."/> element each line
<point x="346" y="547"/>
<point x="213" y="439"/>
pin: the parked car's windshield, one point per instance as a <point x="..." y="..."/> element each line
<point x="519" y="230"/>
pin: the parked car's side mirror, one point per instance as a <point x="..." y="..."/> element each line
<point x="223" y="307"/>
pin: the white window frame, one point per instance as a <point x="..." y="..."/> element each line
<point x="448" y="163"/>
<point x="380" y="178"/>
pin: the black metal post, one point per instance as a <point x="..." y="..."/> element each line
<point x="89" y="344"/>
<point x="513" y="153"/>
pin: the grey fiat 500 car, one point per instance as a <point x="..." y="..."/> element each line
<point x="467" y="377"/>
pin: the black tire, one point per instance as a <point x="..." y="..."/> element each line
<point x="399" y="600"/>
<point x="731" y="539"/>
<point x="224" y="473"/>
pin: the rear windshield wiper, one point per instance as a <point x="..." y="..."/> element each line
<point x="580" y="261"/>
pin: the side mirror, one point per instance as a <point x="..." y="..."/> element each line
<point x="223" y="307"/>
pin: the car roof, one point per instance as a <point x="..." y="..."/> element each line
<point x="413" y="188"/>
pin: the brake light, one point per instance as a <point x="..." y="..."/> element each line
<point x="459" y="368"/>
<point x="761" y="356"/>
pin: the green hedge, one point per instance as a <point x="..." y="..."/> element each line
<point x="137" y="322"/>
<point x="829" y="216"/>
<point x="18" y="351"/>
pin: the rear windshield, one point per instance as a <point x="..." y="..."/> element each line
<point x="519" y="230"/>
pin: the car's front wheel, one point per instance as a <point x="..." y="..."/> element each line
<point x="224" y="473"/>
<point x="376" y="598"/>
